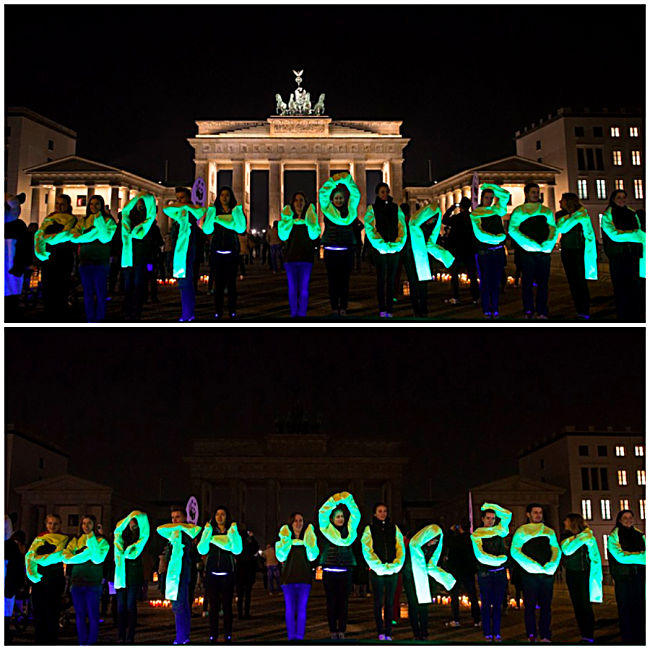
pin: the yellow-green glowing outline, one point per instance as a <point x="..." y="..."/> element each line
<point x="530" y="531"/>
<point x="235" y="220"/>
<point x="621" y="556"/>
<point x="376" y="239"/>
<point x="41" y="239"/>
<point x="580" y="217"/>
<point x="96" y="227"/>
<point x="174" y="532"/>
<point x="422" y="250"/>
<point x="379" y="567"/>
<point x="287" y="222"/>
<point x="586" y="538"/>
<point x="502" y="196"/>
<point x="285" y="544"/>
<point x="327" y="527"/>
<point x="625" y="236"/>
<point x="133" y="550"/>
<point x="526" y="211"/>
<point x="179" y="213"/>
<point x="423" y="569"/>
<point x="33" y="561"/>
<point x="328" y="208"/>
<point x="87" y="548"/>
<point x="485" y="532"/>
<point x="140" y="231"/>
<point x="229" y="541"/>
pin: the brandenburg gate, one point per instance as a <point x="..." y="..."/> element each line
<point x="299" y="137"/>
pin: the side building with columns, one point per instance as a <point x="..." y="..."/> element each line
<point x="280" y="144"/>
<point x="263" y="480"/>
<point x="80" y="178"/>
<point x="511" y="173"/>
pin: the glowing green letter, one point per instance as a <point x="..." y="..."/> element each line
<point x="140" y="231"/>
<point x="174" y="532"/>
<point x="580" y="217"/>
<point x="421" y="250"/>
<point x="285" y="544"/>
<point x="379" y="567"/>
<point x="327" y="527"/>
<point x="526" y="211"/>
<point x="134" y="550"/>
<point x="179" y="212"/>
<point x="41" y="239"/>
<point x="625" y="236"/>
<point x="530" y="531"/>
<point x="34" y="560"/>
<point x="486" y="532"/>
<point x="330" y="210"/>
<point x="423" y="569"/>
<point x="586" y="538"/>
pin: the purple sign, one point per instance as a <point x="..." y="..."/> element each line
<point x="198" y="192"/>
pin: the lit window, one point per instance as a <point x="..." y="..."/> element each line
<point x="582" y="189"/>
<point x="601" y="188"/>
<point x="638" y="188"/>
<point x="605" y="545"/>
<point x="618" y="157"/>
<point x="636" y="158"/>
<point x="619" y="184"/>
<point x="620" y="450"/>
<point x="641" y="508"/>
<point x="586" y="509"/>
<point x="634" y="131"/>
<point x="638" y="450"/>
<point x="622" y="477"/>
<point x="605" y="509"/>
<point x="615" y="131"/>
<point x="640" y="476"/>
<point x="625" y="504"/>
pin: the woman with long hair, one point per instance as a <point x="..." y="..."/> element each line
<point x="626" y="549"/>
<point x="299" y="228"/>
<point x="94" y="232"/>
<point x="338" y="519"/>
<point x="578" y="250"/>
<point x="339" y="199"/>
<point x="87" y="553"/>
<point x="224" y="221"/>
<point x="584" y="573"/>
<point x="383" y="549"/>
<point x="296" y="549"/>
<point x="221" y="542"/>
<point x="624" y="244"/>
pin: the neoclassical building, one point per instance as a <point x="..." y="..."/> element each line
<point x="262" y="480"/>
<point x="287" y="143"/>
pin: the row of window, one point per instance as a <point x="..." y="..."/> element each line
<point x="601" y="188"/>
<point x="596" y="478"/>
<point x="635" y="158"/>
<point x="606" y="508"/>
<point x="614" y="132"/>
<point x="591" y="158"/>
<point x="50" y="143"/>
<point x="619" y="450"/>
<point x="622" y="477"/>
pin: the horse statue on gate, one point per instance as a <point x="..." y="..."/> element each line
<point x="280" y="106"/>
<point x="319" y="108"/>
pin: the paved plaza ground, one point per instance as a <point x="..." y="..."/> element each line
<point x="267" y="625"/>
<point x="263" y="298"/>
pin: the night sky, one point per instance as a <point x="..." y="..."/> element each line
<point x="463" y="401"/>
<point x="131" y="80"/>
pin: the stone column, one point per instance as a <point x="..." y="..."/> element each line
<point x="90" y="190"/>
<point x="201" y="170"/>
<point x="385" y="173"/>
<point x="396" y="185"/>
<point x="360" y="179"/>
<point x="272" y="511"/>
<point x="396" y="511"/>
<point x="322" y="176"/>
<point x="550" y="198"/>
<point x="58" y="189"/>
<point x="247" y="192"/>
<point x="36" y="204"/>
<point x="467" y="191"/>
<point x="115" y="200"/>
<point x="238" y="180"/>
<point x="235" y="497"/>
<point x="458" y="195"/>
<point x="320" y="494"/>
<point x="275" y="196"/>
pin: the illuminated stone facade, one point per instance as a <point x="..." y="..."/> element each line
<point x="281" y="144"/>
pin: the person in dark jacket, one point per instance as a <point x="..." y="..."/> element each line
<point x="57" y="268"/>
<point x="536" y="549"/>
<point x="418" y="612"/>
<point x="296" y="549"/>
<point x="491" y="556"/>
<point x="245" y="573"/>
<point x="154" y="262"/>
<point x="577" y="566"/>
<point x="19" y="252"/>
<point x="94" y="232"/>
<point x="87" y="553"/>
<point x="461" y="563"/>
<point x="339" y="240"/>
<point x="418" y="290"/>
<point x="624" y="244"/>
<point x="386" y="230"/>
<point x="461" y="243"/>
<point x="299" y="228"/>
<point x="221" y="542"/>
<point x="14" y="573"/>
<point x="626" y="550"/>
<point x="338" y="519"/>
<point x="224" y="248"/>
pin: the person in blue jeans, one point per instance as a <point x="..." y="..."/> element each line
<point x="491" y="557"/>
<point x="94" y="232"/>
<point x="299" y="228"/>
<point x="86" y="553"/>
<point x="296" y="549"/>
